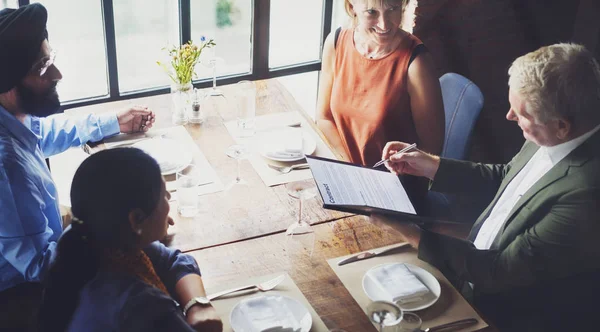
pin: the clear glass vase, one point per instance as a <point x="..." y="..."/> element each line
<point x="182" y="96"/>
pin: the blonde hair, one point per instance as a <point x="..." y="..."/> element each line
<point x="352" y="14"/>
<point x="559" y="81"/>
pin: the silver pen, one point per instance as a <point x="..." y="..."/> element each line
<point x="408" y="148"/>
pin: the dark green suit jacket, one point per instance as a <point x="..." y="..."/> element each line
<point x="545" y="261"/>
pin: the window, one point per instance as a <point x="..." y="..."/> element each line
<point x="229" y="23"/>
<point x="340" y="17"/>
<point x="79" y="44"/>
<point x="9" y="4"/>
<point x="295" y="32"/>
<point x="108" y="50"/>
<point x="142" y="29"/>
<point x="303" y="87"/>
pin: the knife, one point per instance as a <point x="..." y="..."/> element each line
<point x="457" y="325"/>
<point x="369" y="254"/>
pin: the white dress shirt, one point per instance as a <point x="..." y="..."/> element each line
<point x="542" y="161"/>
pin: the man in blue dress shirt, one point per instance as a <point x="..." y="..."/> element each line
<point x="30" y="221"/>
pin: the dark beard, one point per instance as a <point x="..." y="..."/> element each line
<point x="39" y="105"/>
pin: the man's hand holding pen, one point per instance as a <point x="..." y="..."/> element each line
<point x="412" y="162"/>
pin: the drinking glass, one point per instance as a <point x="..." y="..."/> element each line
<point x="246" y="108"/>
<point x="384" y="314"/>
<point x="301" y="191"/>
<point x="300" y="248"/>
<point x="410" y="322"/>
<point x="237" y="152"/>
<point x="300" y="237"/>
<point x="188" y="181"/>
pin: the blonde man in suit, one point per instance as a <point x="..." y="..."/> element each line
<point x="532" y="259"/>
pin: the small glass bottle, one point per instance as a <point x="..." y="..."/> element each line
<point x="196" y="115"/>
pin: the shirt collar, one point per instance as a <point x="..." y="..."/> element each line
<point x="27" y="133"/>
<point x="558" y="152"/>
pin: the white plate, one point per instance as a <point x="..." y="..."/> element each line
<point x="168" y="153"/>
<point x="266" y="307"/>
<point x="374" y="293"/>
<point x="269" y="143"/>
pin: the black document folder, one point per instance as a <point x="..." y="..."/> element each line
<point x="357" y="189"/>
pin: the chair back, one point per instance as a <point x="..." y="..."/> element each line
<point x="462" y="103"/>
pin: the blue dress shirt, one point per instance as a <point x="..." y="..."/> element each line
<point x="30" y="220"/>
<point x="118" y="302"/>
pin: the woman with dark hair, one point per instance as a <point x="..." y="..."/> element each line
<point x="110" y="272"/>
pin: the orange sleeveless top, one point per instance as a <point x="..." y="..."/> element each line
<point x="369" y="99"/>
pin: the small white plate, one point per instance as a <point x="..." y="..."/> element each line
<point x="264" y="312"/>
<point x="374" y="293"/>
<point x="270" y="143"/>
<point x="168" y="153"/>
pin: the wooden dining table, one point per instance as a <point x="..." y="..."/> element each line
<point x="242" y="233"/>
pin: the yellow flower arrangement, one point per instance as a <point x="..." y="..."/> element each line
<point x="183" y="60"/>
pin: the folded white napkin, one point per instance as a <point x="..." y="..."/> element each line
<point x="283" y="154"/>
<point x="398" y="282"/>
<point x="166" y="166"/>
<point x="289" y="147"/>
<point x="293" y="143"/>
<point x="269" y="314"/>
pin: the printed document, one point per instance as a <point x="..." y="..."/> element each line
<point x="343" y="184"/>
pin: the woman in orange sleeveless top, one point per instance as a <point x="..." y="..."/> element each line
<point x="377" y="85"/>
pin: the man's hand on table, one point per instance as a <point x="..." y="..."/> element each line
<point x="414" y="162"/>
<point x="135" y="119"/>
<point x="410" y="232"/>
<point x="204" y="318"/>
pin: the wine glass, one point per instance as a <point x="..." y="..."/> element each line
<point x="384" y="314"/>
<point x="211" y="61"/>
<point x="410" y="322"/>
<point x="237" y="152"/>
<point x="301" y="191"/>
<point x="188" y="180"/>
<point x="245" y="108"/>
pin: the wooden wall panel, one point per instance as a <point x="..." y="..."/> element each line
<point x="479" y="39"/>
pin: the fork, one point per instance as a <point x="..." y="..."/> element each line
<point x="287" y="169"/>
<point x="263" y="287"/>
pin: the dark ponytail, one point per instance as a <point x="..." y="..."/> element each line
<point x="74" y="265"/>
<point x="106" y="187"/>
